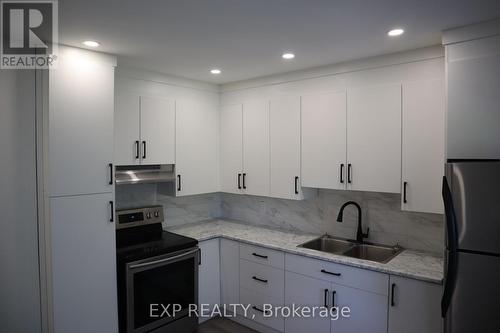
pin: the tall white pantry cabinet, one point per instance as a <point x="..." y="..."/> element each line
<point x="81" y="192"/>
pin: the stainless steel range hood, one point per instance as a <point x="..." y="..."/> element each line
<point x="145" y="174"/>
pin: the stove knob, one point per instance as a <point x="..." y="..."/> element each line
<point x="157" y="214"/>
<point x="148" y="215"/>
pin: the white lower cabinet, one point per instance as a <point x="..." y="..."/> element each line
<point x="209" y="275"/>
<point x="414" y="306"/>
<point x="229" y="272"/>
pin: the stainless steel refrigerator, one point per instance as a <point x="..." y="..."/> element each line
<point x="471" y="296"/>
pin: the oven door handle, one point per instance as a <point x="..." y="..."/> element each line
<point x="159" y="261"/>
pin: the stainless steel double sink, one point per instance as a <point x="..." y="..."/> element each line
<point x="366" y="251"/>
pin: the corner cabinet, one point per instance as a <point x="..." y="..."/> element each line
<point x="414" y="306"/>
<point x="423" y="146"/>
<point x="196" y="153"/>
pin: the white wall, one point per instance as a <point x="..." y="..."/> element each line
<point x="426" y="63"/>
<point x="19" y="268"/>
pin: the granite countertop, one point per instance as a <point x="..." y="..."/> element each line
<point x="412" y="264"/>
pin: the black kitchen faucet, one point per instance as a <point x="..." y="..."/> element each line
<point x="359" y="232"/>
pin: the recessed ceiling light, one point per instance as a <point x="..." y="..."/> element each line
<point x="215" y="71"/>
<point x="396" y="32"/>
<point x="91" y="43"/>
<point x="288" y="56"/>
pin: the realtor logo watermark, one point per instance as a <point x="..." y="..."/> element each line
<point x="29" y="34"/>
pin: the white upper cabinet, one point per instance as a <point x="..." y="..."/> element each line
<point x="285" y="147"/>
<point x="423" y="146"/>
<point x="231" y="151"/>
<point x="255" y="177"/>
<point x="374" y="138"/>
<point x="127" y="135"/>
<point x="196" y="147"/>
<point x="157" y="131"/>
<point x="81" y="100"/>
<point x="144" y="130"/>
<point x="324" y="140"/>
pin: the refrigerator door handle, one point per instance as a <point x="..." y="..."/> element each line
<point x="452" y="259"/>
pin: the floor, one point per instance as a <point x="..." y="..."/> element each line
<point x="221" y="325"/>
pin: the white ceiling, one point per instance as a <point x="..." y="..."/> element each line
<point x="245" y="38"/>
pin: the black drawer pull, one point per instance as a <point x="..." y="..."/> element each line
<point x="259" y="255"/>
<point x="260" y="280"/>
<point x="393" y="286"/>
<point x="239" y="181"/>
<point x="244" y="184"/>
<point x="296" y="185"/>
<point x="110" y="173"/>
<point x="137" y="144"/>
<point x="112" y="211"/>
<point x="342" y="173"/>
<point x="331" y="273"/>
<point x="179" y="179"/>
<point x="257" y="309"/>
<point x="349" y="167"/>
<point x="143" y="149"/>
<point x="333" y="299"/>
<point x="405" y="184"/>
<point x="326" y="298"/>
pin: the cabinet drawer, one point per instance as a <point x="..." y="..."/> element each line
<point x="256" y="300"/>
<point x="262" y="255"/>
<point x="338" y="273"/>
<point x="262" y="279"/>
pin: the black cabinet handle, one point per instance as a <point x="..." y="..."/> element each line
<point x="143" y="149"/>
<point x="260" y="280"/>
<point x="393" y="286"/>
<point x="137" y="148"/>
<point x="112" y="210"/>
<point x="296" y="185"/>
<point x="259" y="255"/>
<point x="110" y="173"/>
<point x="331" y="273"/>
<point x="239" y="181"/>
<point x="325" y="300"/>
<point x="257" y="309"/>
<point x="342" y="173"/>
<point x="244" y="185"/>
<point x="333" y="299"/>
<point x="404" y="192"/>
<point x="179" y="183"/>
<point x="199" y="257"/>
<point x="349" y="166"/>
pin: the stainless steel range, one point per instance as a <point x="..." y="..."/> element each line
<point x="157" y="274"/>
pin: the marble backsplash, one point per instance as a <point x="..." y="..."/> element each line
<point x="381" y="213"/>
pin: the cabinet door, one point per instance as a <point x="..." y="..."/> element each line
<point x="374" y="138"/>
<point x="305" y="291"/>
<point x="414" y="306"/>
<point x="127" y="136"/>
<point x="231" y="143"/>
<point x="209" y="275"/>
<point x="229" y="271"/>
<point x="256" y="148"/>
<point x="368" y="311"/>
<point x="83" y="264"/>
<point x="196" y="148"/>
<point x="157" y="131"/>
<point x="324" y="140"/>
<point x="423" y="146"/>
<point x="285" y="148"/>
<point x="81" y="104"/>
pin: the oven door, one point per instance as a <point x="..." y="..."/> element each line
<point x="159" y="283"/>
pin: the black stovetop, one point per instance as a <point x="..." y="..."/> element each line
<point x="148" y="241"/>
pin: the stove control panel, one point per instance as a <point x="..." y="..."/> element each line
<point x="139" y="216"/>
